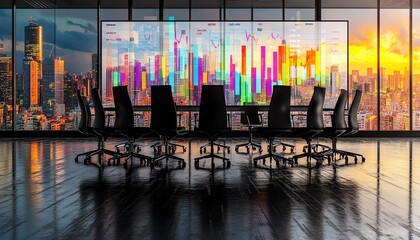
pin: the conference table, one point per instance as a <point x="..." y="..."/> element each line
<point x="194" y="109"/>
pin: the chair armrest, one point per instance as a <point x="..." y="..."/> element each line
<point x="229" y="119"/>
<point x="261" y="119"/>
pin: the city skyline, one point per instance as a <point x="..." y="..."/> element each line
<point x="393" y="70"/>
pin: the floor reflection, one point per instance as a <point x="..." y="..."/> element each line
<point x="44" y="194"/>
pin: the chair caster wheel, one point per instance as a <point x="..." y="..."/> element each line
<point x="284" y="149"/>
<point x="76" y="159"/>
<point x="205" y="150"/>
<point x="87" y="160"/>
<point x="236" y="149"/>
<point x="263" y="161"/>
<point x="346" y="160"/>
<point x="355" y="160"/>
<point x="228" y="164"/>
<point x="318" y="164"/>
<point x="228" y="150"/>
<point x="292" y="150"/>
<point x="363" y="159"/>
<point x="247" y="150"/>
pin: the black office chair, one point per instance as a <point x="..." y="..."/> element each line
<point x="338" y="127"/>
<point x="124" y="126"/>
<point x="279" y="123"/>
<point x="352" y="128"/>
<point x="314" y="126"/>
<point x="251" y="118"/>
<point x="213" y="121"/>
<point x="99" y="125"/>
<point x="164" y="122"/>
<point x="84" y="124"/>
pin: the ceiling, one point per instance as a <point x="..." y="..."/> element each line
<point x="209" y="3"/>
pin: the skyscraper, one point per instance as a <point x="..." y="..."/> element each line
<point x="32" y="60"/>
<point x="53" y="87"/>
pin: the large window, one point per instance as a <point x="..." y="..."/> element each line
<point x="56" y="53"/>
<point x="6" y="74"/>
<point x="362" y="59"/>
<point x="416" y="66"/>
<point x="394" y="73"/>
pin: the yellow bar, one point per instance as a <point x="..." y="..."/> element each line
<point x="204" y="77"/>
<point x="143" y="80"/>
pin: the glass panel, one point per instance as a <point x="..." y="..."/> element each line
<point x="394" y="70"/>
<point x="247" y="57"/>
<point x="299" y="14"/>
<point x="6" y="75"/>
<point x="362" y="60"/>
<point x="416" y="66"/>
<point x="268" y="14"/>
<point x="146" y="14"/>
<point x="177" y="14"/>
<point x="205" y="14"/>
<point x="56" y="50"/>
<point x="238" y="14"/>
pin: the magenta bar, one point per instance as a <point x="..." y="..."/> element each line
<point x="254" y="79"/>
<point x="275" y="67"/>
<point x="200" y="71"/>
<point x="138" y="75"/>
<point x="176" y="60"/>
<point x="269" y="82"/>
<point x="157" y="68"/>
<point x="232" y="74"/>
<point x="262" y="64"/>
<point x="122" y="79"/>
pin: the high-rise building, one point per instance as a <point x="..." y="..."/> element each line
<point x="33" y="44"/>
<point x="5" y="79"/>
<point x="94" y="81"/>
<point x="52" y="86"/>
<point x="31" y="86"/>
<point x="32" y="65"/>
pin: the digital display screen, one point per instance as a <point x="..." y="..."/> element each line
<point x="248" y="58"/>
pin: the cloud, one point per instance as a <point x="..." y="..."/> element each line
<point x="88" y="28"/>
<point x="5" y="25"/>
<point x="76" y="41"/>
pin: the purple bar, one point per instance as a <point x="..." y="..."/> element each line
<point x="138" y="75"/>
<point x="262" y="64"/>
<point x="176" y="60"/>
<point x="275" y="67"/>
<point x="122" y="78"/>
<point x="232" y="74"/>
<point x="269" y="82"/>
<point x="254" y="79"/>
<point x="200" y="72"/>
<point x="157" y="68"/>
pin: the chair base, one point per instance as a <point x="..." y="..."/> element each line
<point x="249" y="146"/>
<point x="157" y="147"/>
<point x="203" y="149"/>
<point x="284" y="147"/>
<point x="167" y="155"/>
<point x="100" y="151"/>
<point x="346" y="154"/>
<point x="212" y="155"/>
<point x="272" y="156"/>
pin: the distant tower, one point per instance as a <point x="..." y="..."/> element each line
<point x="33" y="58"/>
<point x="53" y="87"/>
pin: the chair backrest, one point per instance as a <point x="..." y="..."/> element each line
<point x="250" y="114"/>
<point x="314" y="117"/>
<point x="212" y="111"/>
<point x="124" y="113"/>
<point x="338" y="119"/>
<point x="353" y="125"/>
<point x="99" y="109"/>
<point x="163" y="108"/>
<point x="85" y="118"/>
<point x="279" y="110"/>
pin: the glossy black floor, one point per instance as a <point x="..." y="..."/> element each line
<point x="44" y="194"/>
